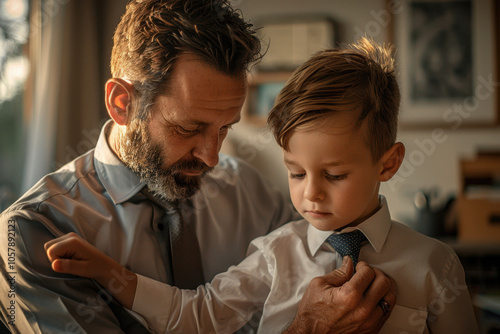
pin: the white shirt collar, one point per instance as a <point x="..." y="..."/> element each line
<point x="376" y="228"/>
<point x="120" y="182"/>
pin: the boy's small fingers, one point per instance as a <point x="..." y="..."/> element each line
<point x="57" y="266"/>
<point x="47" y="245"/>
<point x="60" y="249"/>
<point x="66" y="236"/>
<point x="55" y="251"/>
<point x="51" y="255"/>
<point x="68" y="266"/>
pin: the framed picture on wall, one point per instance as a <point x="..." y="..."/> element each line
<point x="447" y="56"/>
<point x="263" y="88"/>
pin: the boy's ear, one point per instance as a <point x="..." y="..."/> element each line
<point x="119" y="95"/>
<point x="391" y="161"/>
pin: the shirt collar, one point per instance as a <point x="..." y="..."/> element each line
<point x="376" y="228"/>
<point x="120" y="181"/>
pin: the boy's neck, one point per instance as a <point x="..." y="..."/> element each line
<point x="361" y="219"/>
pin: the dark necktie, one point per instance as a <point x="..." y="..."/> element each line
<point x="347" y="244"/>
<point x="185" y="256"/>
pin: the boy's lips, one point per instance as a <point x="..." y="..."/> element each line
<point x="317" y="213"/>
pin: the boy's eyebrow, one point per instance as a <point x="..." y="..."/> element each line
<point x="333" y="163"/>
<point x="336" y="163"/>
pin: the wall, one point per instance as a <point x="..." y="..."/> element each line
<point x="432" y="164"/>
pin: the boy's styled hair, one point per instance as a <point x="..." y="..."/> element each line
<point x="359" y="79"/>
<point x="152" y="34"/>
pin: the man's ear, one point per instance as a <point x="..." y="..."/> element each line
<point x="119" y="95"/>
<point x="391" y="161"/>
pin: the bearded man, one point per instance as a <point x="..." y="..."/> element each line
<point x="155" y="194"/>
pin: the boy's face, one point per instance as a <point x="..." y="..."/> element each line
<point x="332" y="178"/>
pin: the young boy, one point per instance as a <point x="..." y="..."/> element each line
<point x="336" y="120"/>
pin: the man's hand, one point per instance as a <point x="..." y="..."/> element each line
<point x="341" y="303"/>
<point x="71" y="254"/>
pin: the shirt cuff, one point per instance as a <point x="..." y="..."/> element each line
<point x="152" y="301"/>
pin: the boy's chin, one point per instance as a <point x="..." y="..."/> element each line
<point x="326" y="226"/>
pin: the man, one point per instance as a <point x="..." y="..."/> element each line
<point x="154" y="194"/>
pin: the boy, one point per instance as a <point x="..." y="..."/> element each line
<point x="336" y="120"/>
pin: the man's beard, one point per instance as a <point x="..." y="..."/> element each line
<point x="144" y="156"/>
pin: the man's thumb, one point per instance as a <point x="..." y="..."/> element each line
<point x="341" y="275"/>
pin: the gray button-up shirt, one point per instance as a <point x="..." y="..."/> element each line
<point x="98" y="197"/>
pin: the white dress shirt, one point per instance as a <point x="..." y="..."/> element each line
<point x="99" y="198"/>
<point x="431" y="291"/>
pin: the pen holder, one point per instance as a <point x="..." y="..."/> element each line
<point x="429" y="222"/>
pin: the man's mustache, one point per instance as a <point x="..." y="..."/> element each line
<point x="190" y="164"/>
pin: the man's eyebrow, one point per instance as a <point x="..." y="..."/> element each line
<point x="201" y="123"/>
<point x="237" y="120"/>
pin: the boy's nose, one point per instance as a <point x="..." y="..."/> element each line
<point x="314" y="191"/>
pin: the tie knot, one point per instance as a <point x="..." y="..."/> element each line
<point x="169" y="206"/>
<point x="347" y="244"/>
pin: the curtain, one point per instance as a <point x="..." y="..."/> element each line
<point x="70" y="45"/>
<point x="45" y="38"/>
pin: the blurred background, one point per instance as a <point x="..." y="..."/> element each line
<point x="54" y="61"/>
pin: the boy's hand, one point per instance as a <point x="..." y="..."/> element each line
<point x="71" y="254"/>
<point x="342" y="303"/>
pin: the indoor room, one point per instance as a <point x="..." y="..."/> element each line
<point x="54" y="101"/>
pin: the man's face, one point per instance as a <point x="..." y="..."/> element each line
<point x="181" y="140"/>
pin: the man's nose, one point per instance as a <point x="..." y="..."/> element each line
<point x="207" y="149"/>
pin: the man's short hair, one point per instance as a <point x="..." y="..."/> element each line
<point x="152" y="34"/>
<point x="358" y="79"/>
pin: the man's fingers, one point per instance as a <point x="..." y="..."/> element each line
<point x="387" y="303"/>
<point x="381" y="297"/>
<point x="363" y="277"/>
<point x="380" y="287"/>
<point x="341" y="275"/>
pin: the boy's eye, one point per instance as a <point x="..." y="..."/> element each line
<point x="297" y="176"/>
<point x="335" y="177"/>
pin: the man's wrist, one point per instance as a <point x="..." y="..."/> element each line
<point x="298" y="327"/>
<point x="307" y="326"/>
<point x="293" y="329"/>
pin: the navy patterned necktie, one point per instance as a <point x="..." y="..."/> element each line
<point x="347" y="244"/>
